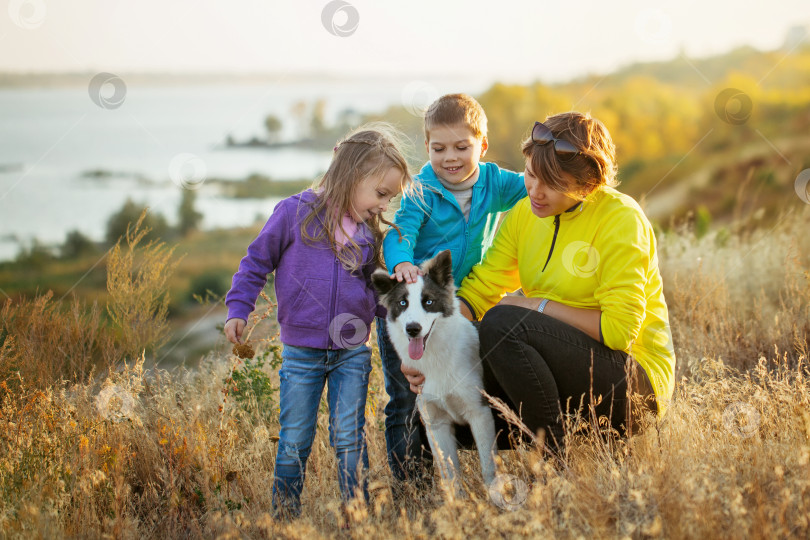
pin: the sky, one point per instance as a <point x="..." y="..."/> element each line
<point x="511" y="40"/>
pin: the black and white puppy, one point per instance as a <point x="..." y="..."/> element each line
<point x="430" y="334"/>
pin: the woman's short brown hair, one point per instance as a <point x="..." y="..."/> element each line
<point x="593" y="167"/>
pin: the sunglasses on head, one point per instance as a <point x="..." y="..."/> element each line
<point x="542" y="135"/>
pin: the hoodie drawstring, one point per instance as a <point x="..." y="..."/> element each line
<point x="553" y="240"/>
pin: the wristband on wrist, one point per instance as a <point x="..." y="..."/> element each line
<point x="542" y="305"/>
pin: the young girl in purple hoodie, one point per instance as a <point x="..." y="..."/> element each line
<point x="323" y="244"/>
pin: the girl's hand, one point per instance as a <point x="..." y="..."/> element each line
<point x="406" y="271"/>
<point x="415" y="378"/>
<point x="233" y="330"/>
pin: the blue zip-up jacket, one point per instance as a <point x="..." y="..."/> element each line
<point x="438" y="223"/>
<point x="320" y="303"/>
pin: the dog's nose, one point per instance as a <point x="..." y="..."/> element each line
<point x="413" y="329"/>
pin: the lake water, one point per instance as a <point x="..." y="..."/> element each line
<point x="50" y="137"/>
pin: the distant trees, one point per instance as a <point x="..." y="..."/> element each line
<point x="129" y="213"/>
<point x="299" y="112"/>
<point x="188" y="218"/>
<point x="273" y="126"/>
<point x="311" y="124"/>
<point x="317" y="122"/>
<point x="76" y="245"/>
<point x="647" y="118"/>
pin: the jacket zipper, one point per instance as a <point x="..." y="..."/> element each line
<point x="330" y="342"/>
<point x="464" y="247"/>
<point x="465" y="228"/>
<point x="553" y="240"/>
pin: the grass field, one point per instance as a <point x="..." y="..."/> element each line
<point x="190" y="453"/>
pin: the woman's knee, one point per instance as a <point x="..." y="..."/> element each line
<point x="497" y="323"/>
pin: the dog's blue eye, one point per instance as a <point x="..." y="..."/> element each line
<point x="403" y="303"/>
<point x="428" y="302"/>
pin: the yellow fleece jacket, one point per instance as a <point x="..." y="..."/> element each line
<point x="603" y="257"/>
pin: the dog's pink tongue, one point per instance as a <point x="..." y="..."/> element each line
<point x="416" y="348"/>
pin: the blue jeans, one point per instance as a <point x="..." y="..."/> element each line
<point x="304" y="371"/>
<point x="409" y="455"/>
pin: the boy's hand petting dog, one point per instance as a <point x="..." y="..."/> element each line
<point x="406" y="271"/>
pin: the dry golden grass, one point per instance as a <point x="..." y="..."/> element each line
<point x="175" y="455"/>
<point x="43" y="341"/>
<point x="739" y="296"/>
<point x="137" y="283"/>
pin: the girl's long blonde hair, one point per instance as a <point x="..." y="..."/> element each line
<point x="370" y="150"/>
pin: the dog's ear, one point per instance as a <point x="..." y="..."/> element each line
<point x="382" y="282"/>
<point x="440" y="268"/>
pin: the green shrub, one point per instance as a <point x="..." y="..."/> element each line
<point x="250" y="385"/>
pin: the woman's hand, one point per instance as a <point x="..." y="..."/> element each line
<point x="233" y="330"/>
<point x="586" y="320"/>
<point x="521" y="301"/>
<point x="415" y="378"/>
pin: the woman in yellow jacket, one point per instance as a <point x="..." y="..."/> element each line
<point x="593" y="311"/>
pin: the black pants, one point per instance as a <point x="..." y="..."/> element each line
<point x="541" y="367"/>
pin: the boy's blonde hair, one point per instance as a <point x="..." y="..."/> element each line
<point x="455" y="110"/>
<point x="593" y="167"/>
<point x="370" y="150"/>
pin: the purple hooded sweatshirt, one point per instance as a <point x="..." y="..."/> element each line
<point x="320" y="303"/>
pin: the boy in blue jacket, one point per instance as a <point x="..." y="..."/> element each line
<point x="462" y="200"/>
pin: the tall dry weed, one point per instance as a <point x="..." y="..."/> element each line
<point x="137" y="285"/>
<point x="42" y="342"/>
<point x="738" y="297"/>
